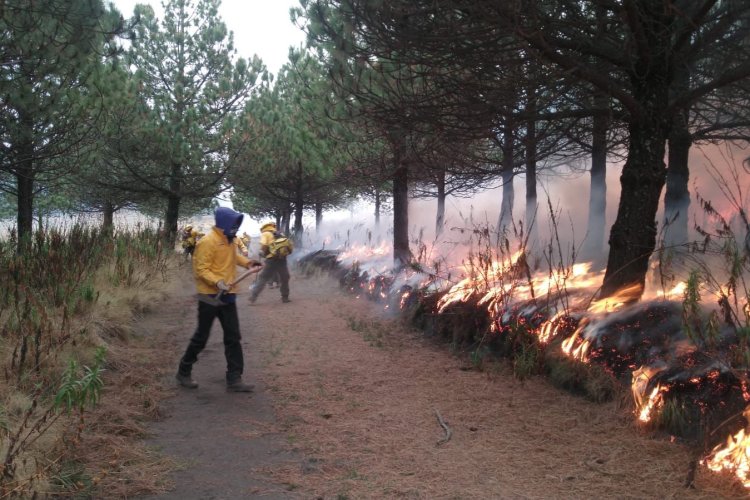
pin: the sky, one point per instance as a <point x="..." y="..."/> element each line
<point x="261" y="27"/>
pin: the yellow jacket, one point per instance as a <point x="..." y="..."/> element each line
<point x="241" y="245"/>
<point x="189" y="238"/>
<point x="216" y="259"/>
<point x="266" y="238"/>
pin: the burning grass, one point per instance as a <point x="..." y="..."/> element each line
<point x="685" y="364"/>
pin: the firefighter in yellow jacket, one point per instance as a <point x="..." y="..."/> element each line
<point x="189" y="239"/>
<point x="274" y="248"/>
<point x="214" y="268"/>
<point x="243" y="244"/>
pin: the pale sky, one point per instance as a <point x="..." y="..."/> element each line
<point x="260" y="27"/>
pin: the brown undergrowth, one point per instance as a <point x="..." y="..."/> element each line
<point x="110" y="457"/>
<point x="77" y="376"/>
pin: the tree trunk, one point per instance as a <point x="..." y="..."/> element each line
<point x="401" y="252"/>
<point x="377" y="207"/>
<point x="506" y="208"/>
<point x="170" y="219"/>
<point x="173" y="205"/>
<point x="108" y="217"/>
<point x="25" y="202"/>
<point x="318" y="215"/>
<point x="531" y="152"/>
<point x="594" y="246"/>
<point x="440" y="217"/>
<point x="632" y="238"/>
<point x="677" y="196"/>
<point x="286" y="217"/>
<point x="299" y="205"/>
<point x="25" y="177"/>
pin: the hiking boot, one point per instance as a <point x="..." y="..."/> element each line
<point x="186" y="381"/>
<point x="253" y="298"/>
<point x="239" y="386"/>
<point x="286" y="300"/>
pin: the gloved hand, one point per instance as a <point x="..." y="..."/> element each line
<point x="222" y="286"/>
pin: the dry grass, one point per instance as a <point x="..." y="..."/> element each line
<point x="112" y="449"/>
<point x="102" y="453"/>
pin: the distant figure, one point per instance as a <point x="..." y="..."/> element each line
<point x="190" y="238"/>
<point x="214" y="267"/>
<point x="242" y="245"/>
<point x="274" y="248"/>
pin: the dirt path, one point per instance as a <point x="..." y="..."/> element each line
<point x="346" y="406"/>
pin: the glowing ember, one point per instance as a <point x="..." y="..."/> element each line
<point x="734" y="456"/>
<point x="645" y="406"/>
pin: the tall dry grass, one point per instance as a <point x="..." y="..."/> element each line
<point x="56" y="343"/>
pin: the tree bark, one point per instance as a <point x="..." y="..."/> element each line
<point x="299" y="204"/>
<point x="594" y="246"/>
<point x="25" y="176"/>
<point x="318" y="215"/>
<point x="531" y="154"/>
<point x="170" y="219"/>
<point x="108" y="216"/>
<point x="632" y="238"/>
<point x="440" y="217"/>
<point x="505" y="220"/>
<point x="677" y="196"/>
<point x="377" y="207"/>
<point x="173" y="205"/>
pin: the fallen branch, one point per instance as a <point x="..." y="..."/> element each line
<point x="448" y="432"/>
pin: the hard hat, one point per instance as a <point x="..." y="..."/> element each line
<point x="268" y="225"/>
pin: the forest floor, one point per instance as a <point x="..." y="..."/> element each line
<point x="346" y="405"/>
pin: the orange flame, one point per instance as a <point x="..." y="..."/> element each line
<point x="646" y="406"/>
<point x="734" y="456"/>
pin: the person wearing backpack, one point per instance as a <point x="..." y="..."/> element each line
<point x="274" y="248"/>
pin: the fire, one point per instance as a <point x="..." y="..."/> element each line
<point x="488" y="280"/>
<point x="645" y="406"/>
<point x="734" y="456"/>
<point x="576" y="350"/>
<point x="677" y="292"/>
<point x="623" y="296"/>
<point x="364" y="252"/>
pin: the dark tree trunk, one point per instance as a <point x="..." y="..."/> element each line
<point x="677" y="196"/>
<point x="286" y="219"/>
<point x="25" y="177"/>
<point x="440" y="218"/>
<point x="401" y="252"/>
<point x="594" y="246"/>
<point x="25" y="199"/>
<point x="318" y="215"/>
<point x="298" y="207"/>
<point x="108" y="216"/>
<point x="531" y="152"/>
<point x="173" y="205"/>
<point x="632" y="238"/>
<point x="299" y="204"/>
<point x="170" y="219"/>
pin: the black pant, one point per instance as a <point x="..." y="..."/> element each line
<point x="230" y="323"/>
